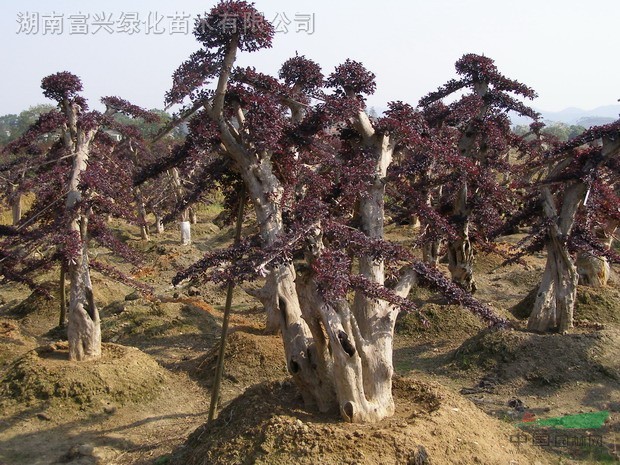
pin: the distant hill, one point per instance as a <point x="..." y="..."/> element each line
<point x="586" y="118"/>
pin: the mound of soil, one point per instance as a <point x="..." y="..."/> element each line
<point x="131" y="322"/>
<point x="442" y="321"/>
<point x="12" y="342"/>
<point x="515" y="356"/>
<point x="267" y="425"/>
<point x="122" y="375"/>
<point x="249" y="359"/>
<point x="39" y="312"/>
<point x="594" y="305"/>
<point x="600" y="305"/>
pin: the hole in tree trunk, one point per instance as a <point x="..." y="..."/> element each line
<point x="346" y="343"/>
<point x="91" y="303"/>
<point x="282" y="307"/>
<point x="294" y="366"/>
<point x="348" y="410"/>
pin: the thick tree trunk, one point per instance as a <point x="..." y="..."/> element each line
<point x="339" y="356"/>
<point x="16" y="208"/>
<point x="62" y="321"/>
<point x="555" y="301"/>
<point x="304" y="357"/>
<point x="193" y="216"/>
<point x="83" y="325"/>
<point x="142" y="214"/>
<point x="460" y="251"/>
<point x="159" y="223"/>
<point x="320" y="338"/>
<point x="461" y="261"/>
<point x="361" y="338"/>
<point x="430" y="253"/>
<point x="84" y="328"/>
<point x="362" y="341"/>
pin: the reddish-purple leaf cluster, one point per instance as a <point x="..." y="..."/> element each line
<point x="351" y="78"/>
<point x="46" y="153"/>
<point x="234" y="20"/>
<point x="62" y="86"/>
<point x="119" y="105"/>
<point x="302" y="74"/>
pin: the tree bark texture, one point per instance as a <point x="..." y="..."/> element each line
<point x="460" y="251"/>
<point x="159" y="223"/>
<point x="555" y="301"/>
<point x="185" y="225"/>
<point x="16" y="209"/>
<point x="142" y="214"/>
<point x="83" y="326"/>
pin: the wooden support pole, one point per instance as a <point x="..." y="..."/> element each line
<point x="219" y="370"/>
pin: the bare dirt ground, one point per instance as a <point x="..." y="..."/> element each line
<point x="460" y="391"/>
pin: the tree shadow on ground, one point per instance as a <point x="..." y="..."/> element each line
<point x="50" y="442"/>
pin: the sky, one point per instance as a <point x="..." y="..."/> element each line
<point x="565" y="49"/>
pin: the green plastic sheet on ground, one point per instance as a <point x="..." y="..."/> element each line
<point x="591" y="420"/>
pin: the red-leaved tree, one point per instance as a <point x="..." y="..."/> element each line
<point x="315" y="167"/>
<point x="470" y="154"/>
<point x="571" y="204"/>
<point x="78" y="177"/>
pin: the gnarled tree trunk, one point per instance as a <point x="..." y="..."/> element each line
<point x="340" y="355"/>
<point x="362" y="339"/>
<point x="460" y="251"/>
<point x="159" y="223"/>
<point x="555" y="301"/>
<point x="16" y="208"/>
<point x="83" y="326"/>
<point x="142" y="214"/>
<point x="305" y="360"/>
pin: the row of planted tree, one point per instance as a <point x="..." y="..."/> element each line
<point x="323" y="178"/>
